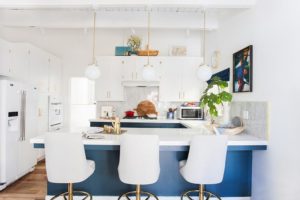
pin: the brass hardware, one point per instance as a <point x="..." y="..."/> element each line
<point x="71" y="192"/>
<point x="201" y="192"/>
<point x="138" y="193"/>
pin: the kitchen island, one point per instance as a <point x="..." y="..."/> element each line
<point x="174" y="145"/>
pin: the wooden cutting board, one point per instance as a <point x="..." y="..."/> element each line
<point x="145" y="108"/>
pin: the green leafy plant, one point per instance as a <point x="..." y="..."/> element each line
<point x="134" y="42"/>
<point x="212" y="99"/>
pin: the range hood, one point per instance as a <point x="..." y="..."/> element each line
<point x="140" y="83"/>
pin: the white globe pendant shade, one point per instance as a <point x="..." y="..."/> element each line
<point x="204" y="73"/>
<point x="92" y="72"/>
<point x="148" y="73"/>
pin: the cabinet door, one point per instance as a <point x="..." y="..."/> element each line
<point x="129" y="66"/>
<point x="20" y="59"/>
<point x="109" y="85"/>
<point x="154" y="61"/>
<point x="192" y="87"/>
<point x="170" y="83"/>
<point x="55" y="76"/>
<point x="5" y="58"/>
<point x="116" y="89"/>
<point x="38" y="69"/>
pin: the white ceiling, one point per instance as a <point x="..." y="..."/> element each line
<point x="168" y="14"/>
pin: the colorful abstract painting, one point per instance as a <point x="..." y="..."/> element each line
<point x="242" y="70"/>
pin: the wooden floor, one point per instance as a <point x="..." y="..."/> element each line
<point x="30" y="187"/>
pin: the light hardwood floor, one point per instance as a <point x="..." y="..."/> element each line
<point x="33" y="186"/>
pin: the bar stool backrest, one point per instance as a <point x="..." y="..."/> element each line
<point x="206" y="159"/>
<point x="65" y="158"/>
<point x="139" y="159"/>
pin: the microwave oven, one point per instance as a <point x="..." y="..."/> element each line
<point x="190" y="113"/>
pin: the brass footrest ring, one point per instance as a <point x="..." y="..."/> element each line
<point x="148" y="194"/>
<point x="207" y="195"/>
<point x="85" y="195"/>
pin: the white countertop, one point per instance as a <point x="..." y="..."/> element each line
<point x="168" y="137"/>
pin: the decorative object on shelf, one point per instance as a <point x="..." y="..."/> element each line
<point x="215" y="95"/>
<point x="204" y="71"/>
<point x="145" y="108"/>
<point x="148" y="70"/>
<point x="242" y="70"/>
<point x="123" y="51"/>
<point x="147" y="52"/>
<point x="215" y="59"/>
<point x="92" y="71"/>
<point x="178" y="51"/>
<point x="134" y="42"/>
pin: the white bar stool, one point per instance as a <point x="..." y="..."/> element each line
<point x="66" y="162"/>
<point x="205" y="164"/>
<point x="139" y="163"/>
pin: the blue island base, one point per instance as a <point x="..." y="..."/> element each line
<point x="105" y="180"/>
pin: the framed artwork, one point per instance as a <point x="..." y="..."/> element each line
<point x="243" y="70"/>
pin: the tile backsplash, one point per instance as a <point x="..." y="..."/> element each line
<point x="134" y="95"/>
<point x="256" y="122"/>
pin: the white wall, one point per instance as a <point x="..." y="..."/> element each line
<point x="74" y="46"/>
<point x="274" y="30"/>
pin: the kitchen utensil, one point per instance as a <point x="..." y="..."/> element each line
<point x="129" y="113"/>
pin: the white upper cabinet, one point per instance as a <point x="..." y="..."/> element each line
<point x="39" y="69"/>
<point x="20" y="61"/>
<point x="179" y="80"/>
<point x="55" y="75"/>
<point x="5" y="58"/>
<point x="170" y="83"/>
<point x="133" y="67"/>
<point x="109" y="85"/>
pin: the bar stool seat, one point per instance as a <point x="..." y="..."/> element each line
<point x="66" y="162"/>
<point x="139" y="163"/>
<point x="205" y="164"/>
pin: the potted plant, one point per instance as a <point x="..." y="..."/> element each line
<point x="215" y="95"/>
<point x="134" y="42"/>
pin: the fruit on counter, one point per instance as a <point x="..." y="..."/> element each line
<point x="145" y="108"/>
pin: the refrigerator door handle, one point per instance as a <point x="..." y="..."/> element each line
<point x="23" y="116"/>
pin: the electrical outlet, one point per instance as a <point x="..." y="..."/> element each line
<point x="245" y="114"/>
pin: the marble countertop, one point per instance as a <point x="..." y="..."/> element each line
<point x="168" y="137"/>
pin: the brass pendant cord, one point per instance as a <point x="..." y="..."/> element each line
<point x="148" y="45"/>
<point x="204" y="27"/>
<point x="94" y="38"/>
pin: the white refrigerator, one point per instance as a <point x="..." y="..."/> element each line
<point x="18" y="124"/>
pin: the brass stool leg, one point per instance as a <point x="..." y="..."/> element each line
<point x="71" y="193"/>
<point x="137" y="193"/>
<point x="201" y="192"/>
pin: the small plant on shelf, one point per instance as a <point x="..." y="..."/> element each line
<point x="134" y="42"/>
<point x="215" y="95"/>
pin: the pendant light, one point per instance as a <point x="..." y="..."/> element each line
<point x="204" y="72"/>
<point x="148" y="70"/>
<point x="92" y="71"/>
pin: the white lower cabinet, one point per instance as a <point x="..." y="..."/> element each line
<point x="109" y="86"/>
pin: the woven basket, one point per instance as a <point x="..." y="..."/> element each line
<point x="145" y="53"/>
